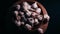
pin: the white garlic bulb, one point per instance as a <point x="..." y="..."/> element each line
<point x="46" y="16"/>
<point x="35" y="5"/>
<point x="36" y="21"/>
<point x="38" y="10"/>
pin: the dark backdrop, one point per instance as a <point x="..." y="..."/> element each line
<point x="53" y="9"/>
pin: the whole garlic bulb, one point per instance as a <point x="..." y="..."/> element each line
<point x="38" y="10"/>
<point x="35" y="5"/>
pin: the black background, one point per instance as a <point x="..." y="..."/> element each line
<point x="53" y="9"/>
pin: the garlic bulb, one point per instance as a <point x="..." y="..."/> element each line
<point x="40" y="17"/>
<point x="40" y="30"/>
<point x="29" y="27"/>
<point x="18" y="7"/>
<point x="46" y="16"/>
<point x="36" y="21"/>
<point x="26" y="5"/>
<point x="38" y="10"/>
<point x="18" y="23"/>
<point x="35" y="5"/>
<point x="16" y="12"/>
<point x="31" y="20"/>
